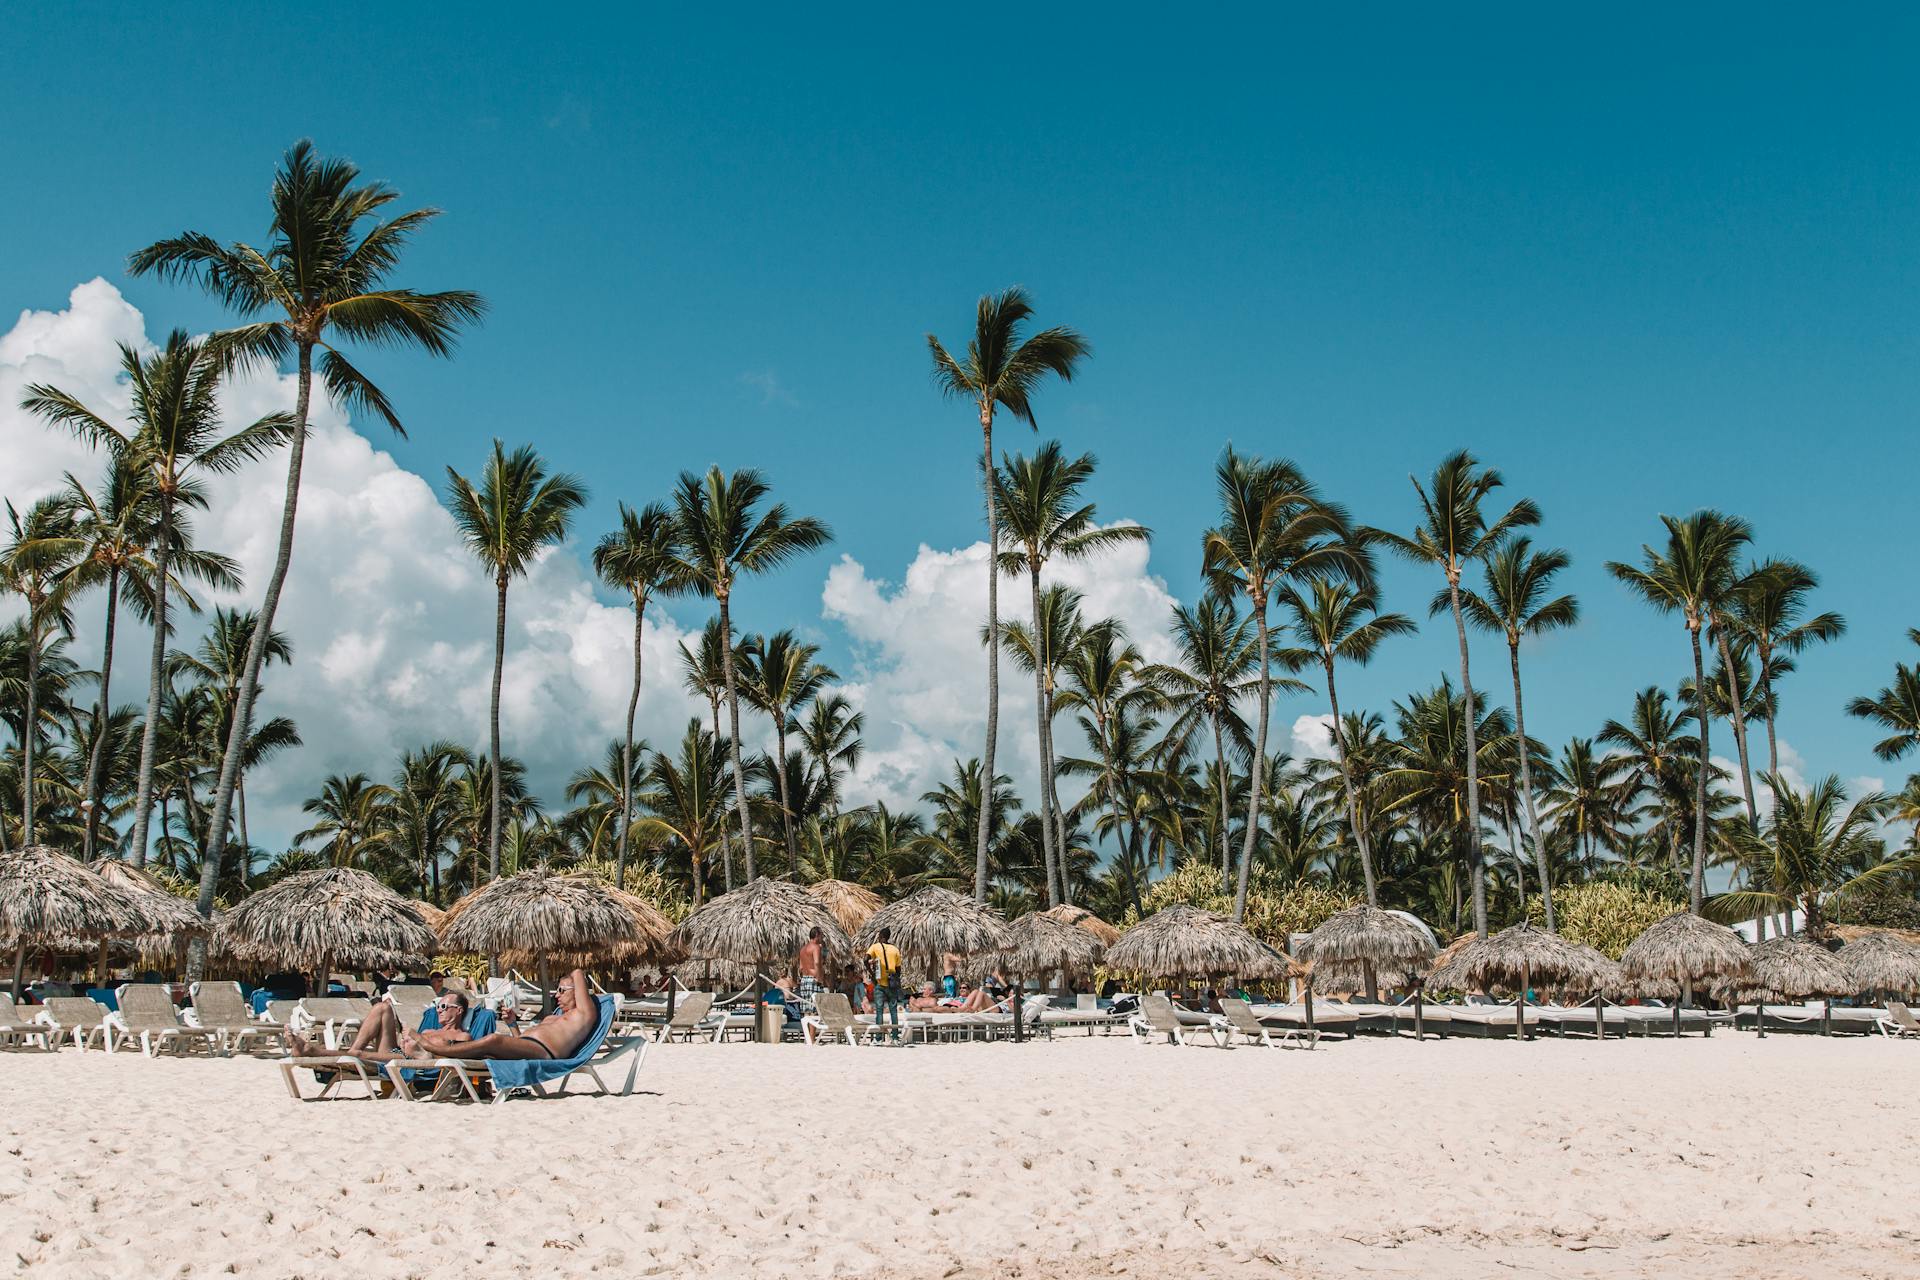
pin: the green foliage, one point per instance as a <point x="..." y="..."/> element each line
<point x="1880" y="906"/>
<point x="1608" y="914"/>
<point x="646" y="882"/>
<point x="1659" y="881"/>
<point x="1274" y="909"/>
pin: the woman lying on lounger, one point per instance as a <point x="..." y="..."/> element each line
<point x="380" y="1035"/>
<point x="559" y="1035"/>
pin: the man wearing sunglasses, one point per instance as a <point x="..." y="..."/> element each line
<point x="558" y="1035"/>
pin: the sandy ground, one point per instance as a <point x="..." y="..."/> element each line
<point x="1729" y="1157"/>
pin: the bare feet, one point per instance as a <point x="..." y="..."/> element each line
<point x="298" y="1046"/>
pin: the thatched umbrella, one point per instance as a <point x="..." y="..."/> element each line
<point x="1882" y="960"/>
<point x="48" y="898"/>
<point x="543" y="916"/>
<point x="1686" y="949"/>
<point x="1374" y="940"/>
<point x="1081" y="918"/>
<point x="433" y="916"/>
<point x="1039" y="942"/>
<point x="765" y="921"/>
<point x="173" y="919"/>
<point x="850" y="903"/>
<point x="936" y="922"/>
<point x="1185" y="942"/>
<point x="336" y="915"/>
<point x="1515" y="958"/>
<point x="1793" y="969"/>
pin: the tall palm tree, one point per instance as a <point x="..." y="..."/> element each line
<point x="1583" y="801"/>
<point x="1656" y="759"/>
<point x="720" y="537"/>
<point x="599" y="793"/>
<point x="705" y="675"/>
<point x="1691" y="577"/>
<point x="1041" y="649"/>
<point x="320" y="277"/>
<point x="1517" y="605"/>
<point x="518" y="511"/>
<point x="784" y="675"/>
<point x="348" y="819"/>
<point x="174" y="436"/>
<point x="1214" y="672"/>
<point x="1813" y="846"/>
<point x="1896" y="708"/>
<point x="636" y="558"/>
<point x="1274" y="529"/>
<point x="1767" y="609"/>
<point x="422" y="809"/>
<point x="1434" y="772"/>
<point x="830" y="740"/>
<point x="685" y="801"/>
<point x="1038" y="498"/>
<point x="1336" y="620"/>
<point x="220" y="663"/>
<point x="1001" y="370"/>
<point x="1454" y="531"/>
<point x="42" y="549"/>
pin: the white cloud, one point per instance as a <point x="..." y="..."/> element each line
<point x="1313" y="737"/>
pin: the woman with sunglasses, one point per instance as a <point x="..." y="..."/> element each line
<point x="559" y="1035"/>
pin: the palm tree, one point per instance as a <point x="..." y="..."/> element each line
<point x="601" y="795"/>
<point x="422" y="809"/>
<point x="1692" y="577"/>
<point x="1002" y="370"/>
<point x="1336" y="620"/>
<point x="1656" y="759"/>
<point x="960" y="808"/>
<point x="705" y="675"/>
<point x="176" y="437"/>
<point x="1274" y="529"/>
<point x="1812" y="848"/>
<point x="320" y="276"/>
<point x="1215" y="671"/>
<point x="1039" y="499"/>
<point x="349" y="819"/>
<point x="1896" y="707"/>
<point x="220" y="662"/>
<point x="1454" y="532"/>
<point x="43" y="548"/>
<point x="1434" y="772"/>
<point x="686" y="801"/>
<point x="719" y="538"/>
<point x="636" y="558"/>
<point x="517" y="512"/>
<point x="1583" y="801"/>
<point x="783" y="675"/>
<point x="1041" y="650"/>
<point x="830" y="740"/>
<point x="1767" y="610"/>
<point x="1515" y="606"/>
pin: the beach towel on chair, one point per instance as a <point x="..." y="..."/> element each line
<point x="480" y="1022"/>
<point x="524" y="1073"/>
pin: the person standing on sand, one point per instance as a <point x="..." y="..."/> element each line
<point x="806" y="965"/>
<point x="883" y="961"/>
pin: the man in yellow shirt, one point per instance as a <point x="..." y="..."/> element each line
<point x="883" y="963"/>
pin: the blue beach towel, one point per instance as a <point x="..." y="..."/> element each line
<point x="480" y="1022"/>
<point x="523" y="1073"/>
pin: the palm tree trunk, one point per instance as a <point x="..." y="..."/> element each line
<point x="626" y="749"/>
<point x="1766" y="700"/>
<point x="30" y="726"/>
<point x="493" y="727"/>
<point x="733" y="745"/>
<point x="1476" y="873"/>
<point x="1353" y="797"/>
<point x="1697" y="892"/>
<point x="786" y="801"/>
<point x="993" y="657"/>
<point x="256" y="655"/>
<point x="1042" y="738"/>
<point x="1532" y="829"/>
<point x="1053" y="795"/>
<point x="246" y="844"/>
<point x="1220" y="789"/>
<point x="1259" y="767"/>
<point x="1739" y="731"/>
<point x="726" y="837"/>
<point x="102" y="710"/>
<point x="156" y="679"/>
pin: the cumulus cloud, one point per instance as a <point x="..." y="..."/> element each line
<point x="1313" y="737"/>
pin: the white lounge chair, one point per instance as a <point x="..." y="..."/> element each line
<point x="146" y="1014"/>
<point x="693" y="1015"/>
<point x="331" y="1071"/>
<point x="338" y="1017"/>
<point x="1158" y="1017"/>
<point x="16" y="1030"/>
<point x="80" y="1017"/>
<point x="1240" y="1018"/>
<point x="220" y="1008"/>
<point x="1899" y="1024"/>
<point x="833" y="1019"/>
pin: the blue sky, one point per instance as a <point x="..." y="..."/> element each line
<point x="1644" y="266"/>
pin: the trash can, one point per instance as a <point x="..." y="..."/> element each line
<point x="773" y="1021"/>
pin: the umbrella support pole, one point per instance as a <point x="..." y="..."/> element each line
<point x="1309" y="997"/>
<point x="546" y="988"/>
<point x="1019" y="998"/>
<point x="1600" y="1017"/>
<point x="1520" y="1006"/>
<point x="19" y="968"/>
<point x="105" y="972"/>
<point x="759" y="1004"/>
<point x="1419" y="1011"/>
<point x="1826" y="1018"/>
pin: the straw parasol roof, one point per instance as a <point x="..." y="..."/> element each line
<point x="173" y="919"/>
<point x="1794" y="969"/>
<point x="1397" y="946"/>
<point x="1882" y="961"/>
<point x="766" y="920"/>
<point x="1184" y="941"/>
<point x="336" y="915"/>
<point x="1855" y="932"/>
<point x="850" y="903"/>
<point x="1081" y="918"/>
<point x="1512" y="956"/>
<point x="47" y="898"/>
<point x="433" y="916"/>
<point x="542" y="915"/>
<point x="1684" y="948"/>
<point x="932" y="921"/>
<point x="1039" y="942"/>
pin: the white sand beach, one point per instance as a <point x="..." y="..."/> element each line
<point x="1729" y="1157"/>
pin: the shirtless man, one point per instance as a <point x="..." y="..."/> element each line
<point x="559" y="1035"/>
<point x="381" y="1034"/>
<point x="807" y="963"/>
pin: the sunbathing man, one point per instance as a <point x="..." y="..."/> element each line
<point x="927" y="1001"/>
<point x="380" y="1035"/>
<point x="559" y="1035"/>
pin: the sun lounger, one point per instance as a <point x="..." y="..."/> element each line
<point x="338" y="1017"/>
<point x="1328" y="1019"/>
<point x="832" y="1019"/>
<point x="220" y="1008"/>
<point x="1032" y="1011"/>
<point x="1240" y="1017"/>
<point x="1899" y="1022"/>
<point x="331" y="1071"/>
<point x="693" y="1015"/>
<point x="146" y="1014"/>
<point x="16" y="1030"/>
<point x="79" y="1017"/>
<point x="1157" y="1018"/>
<point x="465" y="1075"/>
